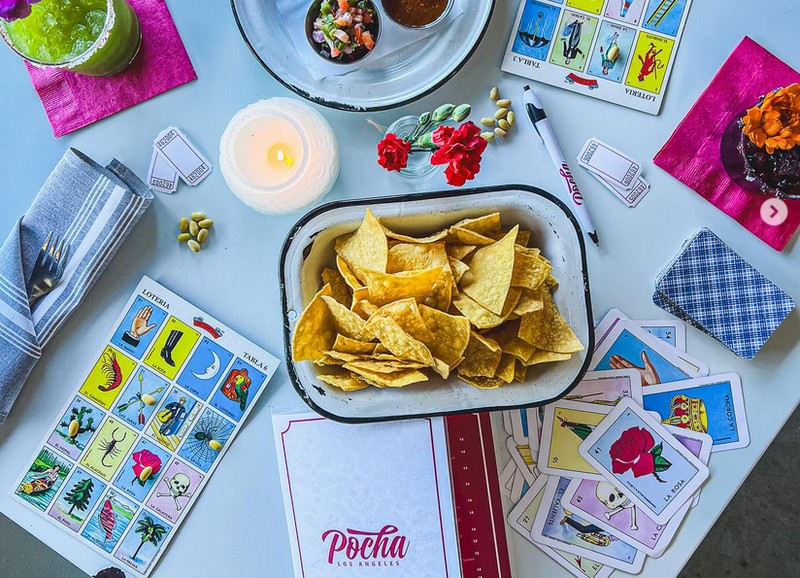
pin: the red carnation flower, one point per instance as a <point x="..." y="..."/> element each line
<point x="393" y="153"/>
<point x="460" y="149"/>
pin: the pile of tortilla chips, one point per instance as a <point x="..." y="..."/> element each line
<point x="472" y="298"/>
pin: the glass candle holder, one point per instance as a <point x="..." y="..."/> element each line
<point x="419" y="163"/>
<point x="89" y="37"/>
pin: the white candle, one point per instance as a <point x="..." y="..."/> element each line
<point x="279" y="155"/>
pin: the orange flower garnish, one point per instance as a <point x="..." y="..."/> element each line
<point x="775" y="124"/>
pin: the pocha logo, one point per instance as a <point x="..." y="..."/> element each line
<point x="386" y="547"/>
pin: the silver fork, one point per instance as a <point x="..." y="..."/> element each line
<point x="49" y="267"/>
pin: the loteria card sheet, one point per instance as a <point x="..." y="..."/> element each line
<point x="163" y="397"/>
<point x="371" y="500"/>
<point x="621" y="51"/>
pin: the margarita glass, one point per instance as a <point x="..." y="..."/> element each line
<point x="90" y="37"/>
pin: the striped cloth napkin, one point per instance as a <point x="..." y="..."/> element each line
<point x="94" y="208"/>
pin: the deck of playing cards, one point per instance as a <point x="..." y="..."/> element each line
<point x="615" y="170"/>
<point x="604" y="477"/>
<point x="174" y="157"/>
<point x="711" y="287"/>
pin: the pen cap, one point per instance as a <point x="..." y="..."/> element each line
<point x="533" y="105"/>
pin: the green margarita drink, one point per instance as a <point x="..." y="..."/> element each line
<point x="91" y="37"/>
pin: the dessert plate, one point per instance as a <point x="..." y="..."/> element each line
<point x="309" y="248"/>
<point x="394" y="80"/>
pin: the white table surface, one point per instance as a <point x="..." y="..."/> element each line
<point x="237" y="527"/>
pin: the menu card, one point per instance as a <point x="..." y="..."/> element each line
<point x="367" y="500"/>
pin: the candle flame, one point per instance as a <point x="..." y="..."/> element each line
<point x="279" y="154"/>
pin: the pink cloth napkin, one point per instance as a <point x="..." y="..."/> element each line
<point x="72" y="101"/>
<point x="692" y="154"/>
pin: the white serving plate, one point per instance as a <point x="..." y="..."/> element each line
<point x="394" y="80"/>
<point x="308" y="249"/>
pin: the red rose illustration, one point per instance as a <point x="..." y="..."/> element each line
<point x="635" y="450"/>
<point x="143" y="459"/>
<point x="460" y="149"/>
<point x="393" y="153"/>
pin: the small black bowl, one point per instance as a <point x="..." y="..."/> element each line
<point x="314" y="12"/>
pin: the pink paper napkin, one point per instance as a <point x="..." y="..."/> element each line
<point x="692" y="154"/>
<point x="72" y="101"/>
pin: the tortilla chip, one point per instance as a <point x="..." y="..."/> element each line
<point x="450" y="333"/>
<point x="481" y="357"/>
<point x="364" y="308"/>
<point x="400" y="343"/>
<point x="489" y="277"/>
<point x="520" y="370"/>
<point x="344" y="357"/>
<point x="482" y="382"/>
<point x="507" y="338"/>
<point x="315" y="332"/>
<point x="338" y="285"/>
<point x="387" y="287"/>
<point x="483" y="225"/>
<point x="441" y="294"/>
<point x="345" y="381"/>
<point x="347" y="274"/>
<point x="367" y="248"/>
<point x="523" y="237"/>
<point x="505" y="370"/>
<point x="530" y="300"/>
<point x="551" y="282"/>
<point x="328" y="360"/>
<point x="458" y="267"/>
<point x="360" y="294"/>
<point x="546" y="357"/>
<point x="459" y="251"/>
<point x="383" y="366"/>
<point x="398" y="379"/>
<point x="406" y="314"/>
<point x="346" y="322"/>
<point x="438" y="236"/>
<point x="547" y="329"/>
<point x="479" y="316"/>
<point x="467" y="237"/>
<point x="346" y="345"/>
<point x="529" y="270"/>
<point x="411" y="257"/>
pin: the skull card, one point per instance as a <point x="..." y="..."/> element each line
<point x="176" y="488"/>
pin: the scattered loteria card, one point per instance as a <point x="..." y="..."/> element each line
<point x="712" y="405"/>
<point x="672" y="332"/>
<point x="521" y="456"/>
<point x="566" y="425"/>
<point x="507" y="422"/>
<point x="639" y="456"/>
<point x="700" y="444"/>
<point x="605" y="505"/>
<point x="627" y="346"/>
<point x="521" y="519"/>
<point x="182" y="155"/>
<point x="161" y="176"/>
<point x="507" y="478"/>
<point x="519" y="487"/>
<point x="534" y="431"/>
<point x="521" y="420"/>
<point x="631" y="197"/>
<point x="614" y="167"/>
<point x="560" y="528"/>
<point x="608" y="387"/>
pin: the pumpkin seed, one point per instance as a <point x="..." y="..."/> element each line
<point x="501" y="113"/>
<point x="511" y="118"/>
<point x="500" y="132"/>
<point x="503" y="103"/>
<point x="494" y="94"/>
<point x="202" y="236"/>
<point x="488" y="121"/>
<point x="206" y="223"/>
<point x="193" y="245"/>
<point x="198" y="216"/>
<point x="487" y="136"/>
<point x="503" y="123"/>
<point x="183" y="237"/>
<point x="184" y="225"/>
<point x="194" y="228"/>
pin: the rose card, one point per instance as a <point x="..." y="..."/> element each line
<point x="558" y="527"/>
<point x="639" y="456"/>
<point x="367" y="500"/>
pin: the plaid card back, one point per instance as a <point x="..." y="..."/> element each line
<point x="723" y="294"/>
